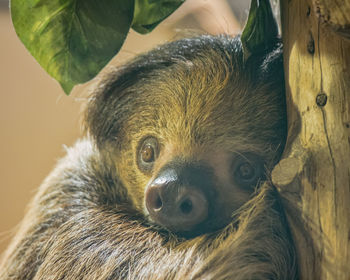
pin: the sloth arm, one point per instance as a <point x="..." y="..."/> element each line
<point x="76" y="228"/>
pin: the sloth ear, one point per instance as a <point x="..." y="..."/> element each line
<point x="260" y="33"/>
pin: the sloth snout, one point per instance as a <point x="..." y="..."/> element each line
<point x="175" y="205"/>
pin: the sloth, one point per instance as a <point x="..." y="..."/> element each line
<point x="171" y="180"/>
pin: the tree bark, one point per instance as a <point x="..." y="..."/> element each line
<point x="314" y="176"/>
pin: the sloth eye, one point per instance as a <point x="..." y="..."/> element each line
<point x="147" y="154"/>
<point x="247" y="171"/>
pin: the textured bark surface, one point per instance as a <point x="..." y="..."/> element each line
<point x="314" y="177"/>
<point x="334" y="14"/>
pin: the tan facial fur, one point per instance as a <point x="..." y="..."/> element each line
<point x="194" y="116"/>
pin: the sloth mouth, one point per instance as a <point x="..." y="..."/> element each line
<point x="211" y="226"/>
<point x="206" y="228"/>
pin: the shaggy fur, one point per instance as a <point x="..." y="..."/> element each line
<point x="87" y="220"/>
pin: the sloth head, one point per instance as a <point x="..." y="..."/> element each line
<point x="191" y="129"/>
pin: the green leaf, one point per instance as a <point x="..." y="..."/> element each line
<point x="72" y="39"/>
<point x="260" y="31"/>
<point x="149" y="13"/>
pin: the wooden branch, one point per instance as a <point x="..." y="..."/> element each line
<point x="314" y="177"/>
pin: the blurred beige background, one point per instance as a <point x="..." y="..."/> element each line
<point x="37" y="119"/>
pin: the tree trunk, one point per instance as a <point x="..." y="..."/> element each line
<point x="314" y="176"/>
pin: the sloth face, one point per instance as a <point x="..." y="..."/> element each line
<point x="196" y="151"/>
<point x="192" y="129"/>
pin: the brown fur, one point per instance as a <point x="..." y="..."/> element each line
<point x="198" y="97"/>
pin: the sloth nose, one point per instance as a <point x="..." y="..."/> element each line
<point x="179" y="207"/>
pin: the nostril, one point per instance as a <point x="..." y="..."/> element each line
<point x="158" y="203"/>
<point x="154" y="201"/>
<point x="192" y="209"/>
<point x="186" y="206"/>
